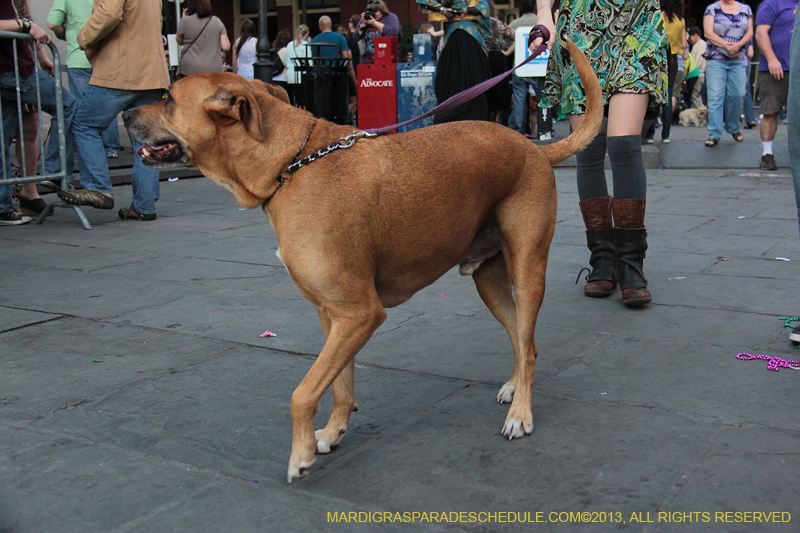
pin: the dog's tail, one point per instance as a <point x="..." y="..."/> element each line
<point x="590" y="126"/>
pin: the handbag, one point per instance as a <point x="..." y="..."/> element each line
<point x="277" y="62"/>
<point x="178" y="74"/>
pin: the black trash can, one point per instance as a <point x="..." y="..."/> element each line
<point x="323" y="89"/>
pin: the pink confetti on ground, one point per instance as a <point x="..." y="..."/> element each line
<point x="442" y="295"/>
<point x="267" y="334"/>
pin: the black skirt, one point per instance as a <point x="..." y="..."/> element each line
<point x="499" y="96"/>
<point x="462" y="64"/>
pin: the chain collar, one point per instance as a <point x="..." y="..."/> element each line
<point x="344" y="142"/>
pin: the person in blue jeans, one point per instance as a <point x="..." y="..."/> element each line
<point x="793" y="116"/>
<point x="728" y="27"/>
<point x="128" y="70"/>
<point x="28" y="76"/>
<point x="65" y="20"/>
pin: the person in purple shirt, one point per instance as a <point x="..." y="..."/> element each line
<point x="379" y="22"/>
<point x="774" y="25"/>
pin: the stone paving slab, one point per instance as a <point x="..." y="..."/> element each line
<point x="52" y="365"/>
<point x="244" y="395"/>
<point x="55" y="483"/>
<point x="11" y="318"/>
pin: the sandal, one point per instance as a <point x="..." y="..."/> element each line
<point x="32" y="207"/>
<point x="711" y="141"/>
<point x="738" y="137"/>
<point x="750" y="125"/>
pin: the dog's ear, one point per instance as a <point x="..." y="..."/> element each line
<point x="235" y="102"/>
<point x="275" y="90"/>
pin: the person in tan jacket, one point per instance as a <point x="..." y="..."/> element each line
<point x="123" y="42"/>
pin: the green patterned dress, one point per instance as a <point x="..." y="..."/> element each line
<point x="626" y="43"/>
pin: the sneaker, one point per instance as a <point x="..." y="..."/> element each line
<point x="546" y="136"/>
<point x="649" y="140"/>
<point x="665" y="141"/>
<point x="129" y="213"/>
<point x="11" y="218"/>
<point x="768" y="162"/>
<point x="98" y="200"/>
<point x="794" y="335"/>
<point x="113" y="155"/>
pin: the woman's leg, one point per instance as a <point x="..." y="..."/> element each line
<point x="735" y="82"/>
<point x="595" y="205"/>
<point x="30" y="132"/>
<point x="625" y="117"/>
<point x="715" y="85"/>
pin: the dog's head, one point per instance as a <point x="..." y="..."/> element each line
<point x="702" y="113"/>
<point x="232" y="129"/>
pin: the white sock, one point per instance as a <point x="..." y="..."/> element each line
<point x="766" y="148"/>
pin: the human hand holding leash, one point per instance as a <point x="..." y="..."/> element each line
<point x="545" y="20"/>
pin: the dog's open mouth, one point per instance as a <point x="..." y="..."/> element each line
<point x="168" y="152"/>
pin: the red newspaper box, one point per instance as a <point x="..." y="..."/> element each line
<point x="377" y="95"/>
<point x="385" y="50"/>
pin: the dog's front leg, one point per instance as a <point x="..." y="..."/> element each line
<point x="348" y="334"/>
<point x="344" y="400"/>
<point x="344" y="403"/>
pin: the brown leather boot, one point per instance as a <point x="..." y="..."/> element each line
<point x="602" y="280"/>
<point x="630" y="239"/>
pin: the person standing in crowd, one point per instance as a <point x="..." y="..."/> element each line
<point x="698" y="52"/>
<point x="65" y="20"/>
<point x="30" y="203"/>
<point x="672" y="10"/>
<point x="793" y="128"/>
<point x="519" y="86"/>
<point x="244" y="50"/>
<point x="123" y="42"/>
<point x="340" y="48"/>
<point x="29" y="76"/>
<point x="204" y="39"/>
<point x="633" y="74"/>
<point x="728" y="27"/>
<point x="748" y="110"/>
<point x="296" y="48"/>
<point x="500" y="47"/>
<point x="463" y="62"/>
<point x="377" y="21"/>
<point x="355" y="50"/>
<point x="774" y="25"/>
<point x="279" y="46"/>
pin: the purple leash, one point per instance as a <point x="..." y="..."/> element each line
<point x="454" y="101"/>
<point x="467" y="95"/>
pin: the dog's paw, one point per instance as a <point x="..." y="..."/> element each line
<point x="298" y="468"/>
<point x="516" y="429"/>
<point x="328" y="441"/>
<point x="506" y="393"/>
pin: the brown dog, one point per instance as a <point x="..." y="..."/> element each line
<point x="364" y="228"/>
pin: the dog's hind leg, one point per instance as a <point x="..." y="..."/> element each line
<point x="350" y="329"/>
<point x="527" y="234"/>
<point x="494" y="287"/>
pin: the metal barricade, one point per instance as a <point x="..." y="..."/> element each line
<point x="10" y="95"/>
<point x="323" y="88"/>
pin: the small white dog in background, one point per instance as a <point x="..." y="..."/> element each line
<point x="697" y="116"/>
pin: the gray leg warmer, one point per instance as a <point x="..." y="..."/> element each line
<point x="627" y="167"/>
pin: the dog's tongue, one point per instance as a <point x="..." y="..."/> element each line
<point x="156" y="151"/>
